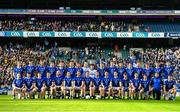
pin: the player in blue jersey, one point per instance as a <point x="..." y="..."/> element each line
<point x="71" y="69"/>
<point x="112" y="68"/>
<point x="139" y="70"/>
<point x="28" y="82"/>
<point x="120" y="70"/>
<point x="18" y="86"/>
<point x="88" y="82"/>
<point x="130" y="71"/>
<point x="148" y="71"/>
<point x="158" y="69"/>
<point x="78" y="68"/>
<point x="106" y="86"/>
<point x="52" y="69"/>
<point x="61" y="68"/>
<point x="134" y="87"/>
<point x="101" y="69"/>
<point x="40" y="85"/>
<point x="168" y="70"/>
<point x="67" y="86"/>
<point x="42" y="69"/>
<point x="170" y="88"/>
<point x="78" y="85"/>
<point x="18" y="70"/>
<point x="156" y="85"/>
<point x="116" y="85"/>
<point x="97" y="82"/>
<point x="58" y="82"/>
<point x="145" y="87"/>
<point x="48" y="81"/>
<point x="124" y="85"/>
<point x="30" y="68"/>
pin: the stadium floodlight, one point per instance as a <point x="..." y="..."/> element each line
<point x="68" y="8"/>
<point x="133" y="8"/>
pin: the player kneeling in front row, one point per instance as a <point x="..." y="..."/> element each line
<point x="58" y="82"/>
<point x="134" y="87"/>
<point x="67" y="86"/>
<point x="145" y="87"/>
<point x="48" y="82"/>
<point x="18" y="87"/>
<point x="170" y="88"/>
<point x="106" y="86"/>
<point x="31" y="88"/>
<point x="41" y="86"/>
<point x="116" y="86"/>
<point x="124" y="85"/>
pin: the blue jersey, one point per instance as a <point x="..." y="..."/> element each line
<point x="58" y="80"/>
<point x="30" y="69"/>
<point x="48" y="81"/>
<point x="78" y="81"/>
<point x="156" y="83"/>
<point x="130" y="73"/>
<point x="101" y="71"/>
<point x="168" y="70"/>
<point x="157" y="70"/>
<point x="72" y="71"/>
<point x="139" y="71"/>
<point x="52" y="71"/>
<point x="68" y="81"/>
<point x="87" y="81"/>
<point x="18" y="82"/>
<point x="145" y="84"/>
<point x="115" y="82"/>
<point x="97" y="82"/>
<point x="106" y="81"/>
<point x="39" y="83"/>
<point x="79" y="69"/>
<point x="120" y="72"/>
<point x="62" y="70"/>
<point x="42" y="71"/>
<point x="28" y="82"/>
<point x="169" y="84"/>
<point x="18" y="71"/>
<point x="112" y="70"/>
<point x="136" y="83"/>
<point x="125" y="83"/>
<point x="148" y="72"/>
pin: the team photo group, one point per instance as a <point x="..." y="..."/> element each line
<point x="113" y="80"/>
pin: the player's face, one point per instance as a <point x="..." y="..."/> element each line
<point x="92" y="67"/>
<point x="39" y="75"/>
<point x="61" y="64"/>
<point x="156" y="74"/>
<point x="135" y="75"/>
<point x="147" y="65"/>
<point x="138" y="64"/>
<point x="30" y="63"/>
<point x="168" y="63"/>
<point x="120" y="64"/>
<point x="106" y="74"/>
<point x="18" y="63"/>
<point x="78" y="65"/>
<point x="18" y="76"/>
<point x="28" y="75"/>
<point x="52" y="64"/>
<point x="78" y="73"/>
<point x="111" y="63"/>
<point x="157" y="64"/>
<point x="97" y="74"/>
<point x="41" y="63"/>
<point x="85" y="64"/>
<point x="101" y="65"/>
<point x="58" y="73"/>
<point x="87" y="74"/>
<point x="48" y="75"/>
<point x="145" y="77"/>
<point x="130" y="65"/>
<point x="115" y="74"/>
<point x="68" y="74"/>
<point x="71" y="64"/>
<point x="170" y="78"/>
<point x="125" y="76"/>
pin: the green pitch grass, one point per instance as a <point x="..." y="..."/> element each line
<point x="56" y="105"/>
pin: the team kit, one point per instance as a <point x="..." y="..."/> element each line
<point x="115" y="81"/>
